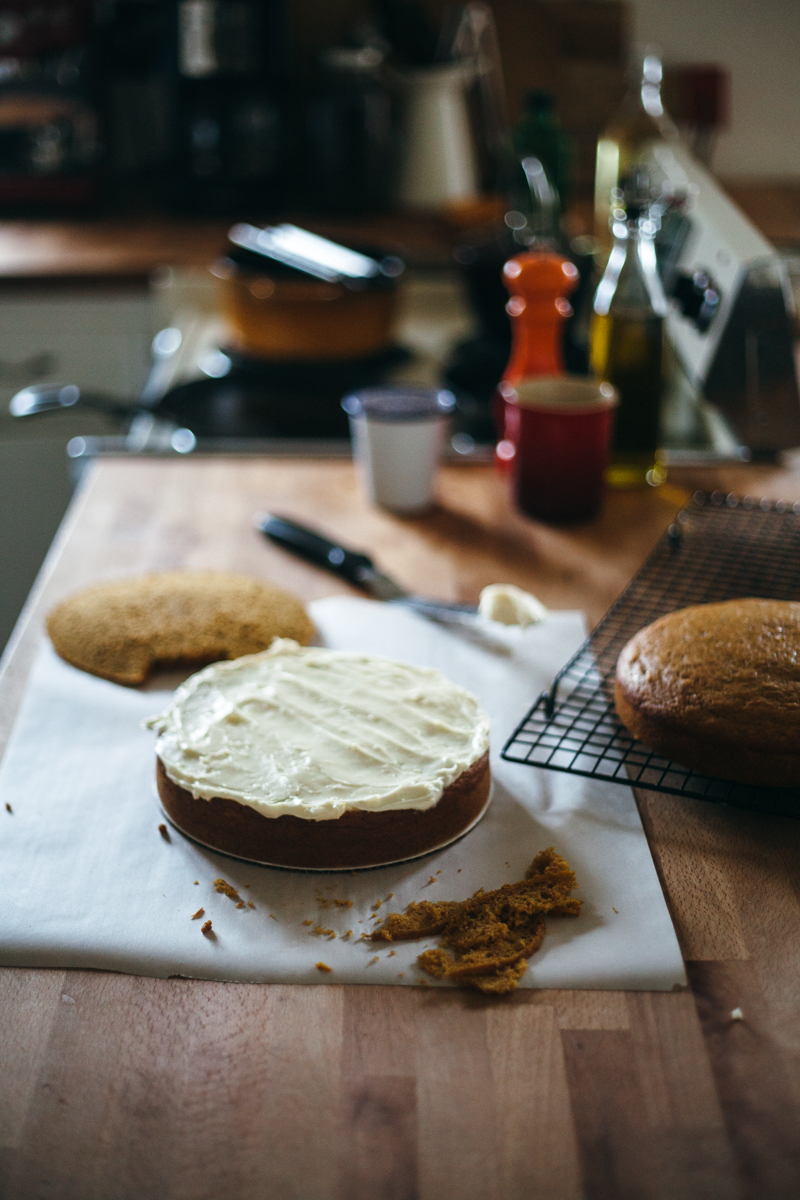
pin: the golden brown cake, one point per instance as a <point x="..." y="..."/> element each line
<point x="121" y="630"/>
<point x="716" y="687"/>
<point x="316" y="758"/>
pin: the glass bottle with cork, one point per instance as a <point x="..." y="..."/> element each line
<point x="627" y="336"/>
<point x="622" y="149"/>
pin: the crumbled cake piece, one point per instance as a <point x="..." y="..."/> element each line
<point x="423" y="919"/>
<point x="492" y="934"/>
<point x="196" y="916"/>
<point x="162" y="829"/>
<point x="9" y="808"/>
<point x="206" y="928"/>
<point x="226" y="889"/>
<point x="321" y="966"/>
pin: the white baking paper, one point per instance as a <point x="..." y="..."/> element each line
<point x="87" y="880"/>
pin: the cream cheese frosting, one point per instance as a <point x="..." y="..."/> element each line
<point x="314" y="733"/>
<point x="510" y="605"/>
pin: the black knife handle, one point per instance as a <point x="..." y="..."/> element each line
<point x="348" y="564"/>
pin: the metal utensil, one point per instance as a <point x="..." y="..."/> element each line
<point x="357" y="568"/>
<point x="145" y="431"/>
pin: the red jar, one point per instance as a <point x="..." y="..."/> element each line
<point x="557" y="442"/>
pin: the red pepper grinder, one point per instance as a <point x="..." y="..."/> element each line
<point x="539" y="284"/>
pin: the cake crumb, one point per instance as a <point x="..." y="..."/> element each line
<point x="9" y="808"/>
<point x="737" y="1014"/>
<point x="196" y="916"/>
<point x="392" y="953"/>
<point x="196" y="882"/>
<point x="320" y="931"/>
<point x="492" y="934"/>
<point x="388" y="898"/>
<point x="348" y="934"/>
<point x="250" y="904"/>
<point x="458" y="872"/>
<point x="614" y="910"/>
<point x="162" y="829"/>
<point x="272" y="915"/>
<point x="343" y="903"/>
<point x="241" y="904"/>
<point x="308" y="922"/>
<point x="377" y="905"/>
<point x="430" y="881"/>
<point x="321" y="966"/>
<point x="373" y="960"/>
<point x="206" y="928"/>
<point x="226" y="889"/>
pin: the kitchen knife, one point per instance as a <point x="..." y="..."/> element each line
<point x="356" y="568"/>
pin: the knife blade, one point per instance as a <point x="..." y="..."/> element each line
<point x="356" y="567"/>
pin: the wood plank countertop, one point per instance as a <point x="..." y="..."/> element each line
<point x="130" y="248"/>
<point x="187" y="1090"/>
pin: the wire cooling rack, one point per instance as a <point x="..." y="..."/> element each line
<point x="719" y="548"/>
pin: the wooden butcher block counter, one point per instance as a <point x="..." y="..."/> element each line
<point x="186" y="1090"/>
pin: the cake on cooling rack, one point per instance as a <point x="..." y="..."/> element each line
<point x="307" y="757"/>
<point x="716" y="687"/>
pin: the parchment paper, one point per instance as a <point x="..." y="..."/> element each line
<point x="87" y="880"/>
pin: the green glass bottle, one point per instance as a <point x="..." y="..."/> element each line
<point x="538" y="134"/>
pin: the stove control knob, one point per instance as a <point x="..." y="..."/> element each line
<point x="698" y="298"/>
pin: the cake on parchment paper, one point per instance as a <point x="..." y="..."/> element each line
<point x="326" y="759"/>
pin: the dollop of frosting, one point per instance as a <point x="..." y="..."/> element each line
<point x="315" y="733"/>
<point x="510" y="605"/>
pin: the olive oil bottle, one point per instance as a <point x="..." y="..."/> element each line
<point x="626" y="344"/>
<point x="624" y="146"/>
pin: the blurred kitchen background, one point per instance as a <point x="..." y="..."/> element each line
<point x="136" y="135"/>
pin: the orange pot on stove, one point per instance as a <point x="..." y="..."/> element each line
<point x="280" y="313"/>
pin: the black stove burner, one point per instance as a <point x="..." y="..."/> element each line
<point x="258" y="399"/>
